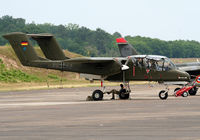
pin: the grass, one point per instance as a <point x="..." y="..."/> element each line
<point x="14" y="75"/>
<point x="11" y="70"/>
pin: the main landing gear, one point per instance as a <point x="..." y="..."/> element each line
<point x="97" y="95"/>
<point x="123" y="93"/>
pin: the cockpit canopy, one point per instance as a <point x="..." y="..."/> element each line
<point x="155" y="62"/>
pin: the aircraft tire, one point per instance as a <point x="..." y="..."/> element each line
<point x="163" y="95"/>
<point x="123" y="94"/>
<point x="185" y="94"/>
<point x="97" y="95"/>
<point x="193" y="91"/>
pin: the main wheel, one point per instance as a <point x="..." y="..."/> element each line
<point x="123" y="94"/>
<point x="185" y="94"/>
<point x="163" y="94"/>
<point x="193" y="91"/>
<point x="97" y="95"/>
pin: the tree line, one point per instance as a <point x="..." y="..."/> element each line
<point x="87" y="42"/>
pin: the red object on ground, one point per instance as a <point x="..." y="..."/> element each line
<point x="121" y="40"/>
<point x="184" y="89"/>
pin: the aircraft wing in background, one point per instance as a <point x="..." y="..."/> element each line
<point x="192" y="68"/>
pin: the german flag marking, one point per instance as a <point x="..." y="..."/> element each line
<point x="24" y="43"/>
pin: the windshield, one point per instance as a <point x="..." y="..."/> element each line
<point x="155" y="63"/>
<point x="168" y="64"/>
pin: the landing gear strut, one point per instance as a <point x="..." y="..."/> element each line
<point x="97" y="95"/>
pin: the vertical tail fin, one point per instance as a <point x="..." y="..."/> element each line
<point x="125" y="48"/>
<point x="49" y="46"/>
<point x="22" y="47"/>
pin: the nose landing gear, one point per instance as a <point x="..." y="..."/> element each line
<point x="163" y="94"/>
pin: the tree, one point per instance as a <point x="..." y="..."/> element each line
<point x="98" y="42"/>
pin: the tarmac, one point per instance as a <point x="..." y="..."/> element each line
<point x="64" y="114"/>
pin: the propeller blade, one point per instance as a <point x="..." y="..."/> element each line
<point x="125" y="67"/>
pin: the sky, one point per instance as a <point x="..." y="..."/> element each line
<point x="163" y="19"/>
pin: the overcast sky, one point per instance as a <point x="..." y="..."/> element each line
<point x="163" y="19"/>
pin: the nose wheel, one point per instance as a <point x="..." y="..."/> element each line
<point x="163" y="94"/>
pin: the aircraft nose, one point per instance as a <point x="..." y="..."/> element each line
<point x="182" y="75"/>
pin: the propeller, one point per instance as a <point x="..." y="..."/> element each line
<point x="123" y="66"/>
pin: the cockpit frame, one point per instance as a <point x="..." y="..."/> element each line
<point x="154" y="62"/>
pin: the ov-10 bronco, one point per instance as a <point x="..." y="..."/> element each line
<point x="124" y="69"/>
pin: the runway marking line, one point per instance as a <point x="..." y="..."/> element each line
<point x="46" y="103"/>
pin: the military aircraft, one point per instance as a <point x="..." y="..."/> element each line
<point x="129" y="67"/>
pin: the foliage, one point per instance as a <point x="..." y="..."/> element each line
<point x="13" y="75"/>
<point x="172" y="49"/>
<point x="88" y="42"/>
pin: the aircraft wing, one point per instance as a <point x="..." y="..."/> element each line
<point x="96" y="65"/>
<point x="93" y="60"/>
